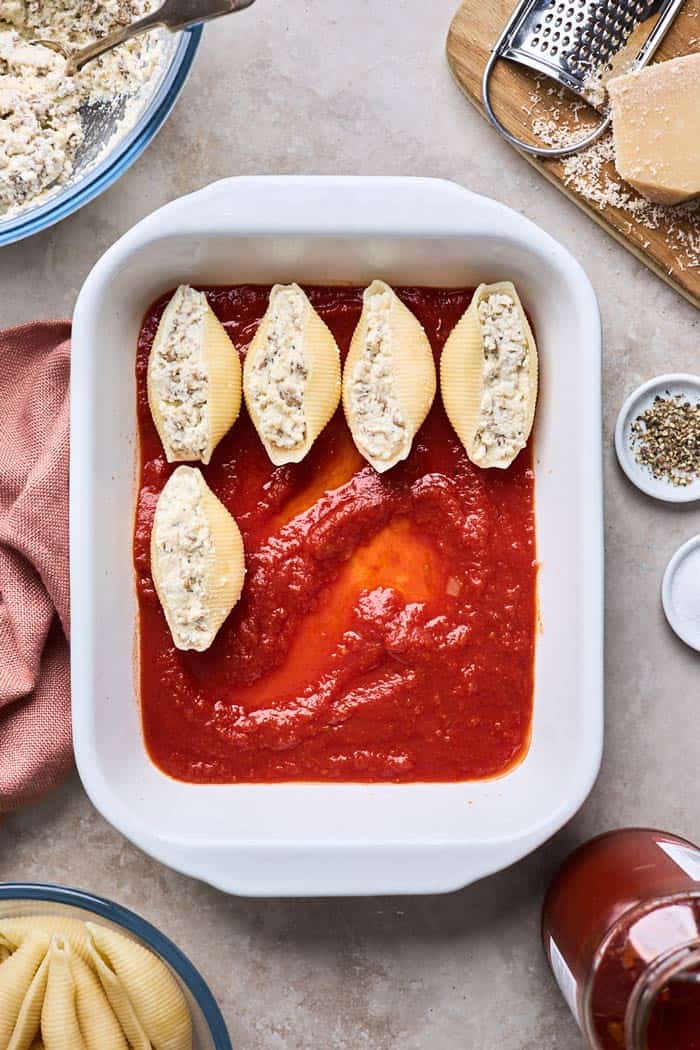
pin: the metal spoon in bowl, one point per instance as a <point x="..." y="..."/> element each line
<point x="173" y="14"/>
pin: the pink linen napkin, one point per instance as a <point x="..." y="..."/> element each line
<point x="35" y="726"/>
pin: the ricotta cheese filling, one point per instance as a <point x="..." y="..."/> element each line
<point x="378" y="419"/>
<point x="278" y="379"/>
<point x="179" y="376"/>
<point x="41" y="109"/>
<point x="185" y="547"/>
<point x="504" y="400"/>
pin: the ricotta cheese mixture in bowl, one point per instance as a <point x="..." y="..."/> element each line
<point x="65" y="139"/>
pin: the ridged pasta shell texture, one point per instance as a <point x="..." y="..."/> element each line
<point x="194" y="379"/>
<point x="14" y="932"/>
<point x="291" y="375"/>
<point x="197" y="559"/>
<point x="143" y="994"/>
<point x="120" y="996"/>
<point x="389" y="378"/>
<point x="76" y="1013"/>
<point x="488" y="387"/>
<point x="17" y="996"/>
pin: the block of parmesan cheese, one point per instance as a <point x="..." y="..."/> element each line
<point x="656" y="127"/>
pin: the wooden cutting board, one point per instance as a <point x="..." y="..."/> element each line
<point x="666" y="239"/>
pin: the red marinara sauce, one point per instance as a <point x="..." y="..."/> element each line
<point x="621" y="930"/>
<point x="386" y="630"/>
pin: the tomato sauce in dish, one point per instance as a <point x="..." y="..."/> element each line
<point x="386" y="630"/>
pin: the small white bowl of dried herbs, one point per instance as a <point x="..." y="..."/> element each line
<point x="657" y="437"/>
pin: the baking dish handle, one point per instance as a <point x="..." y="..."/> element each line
<point x="322" y="869"/>
<point x="260" y="205"/>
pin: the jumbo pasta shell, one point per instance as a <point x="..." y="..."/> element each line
<point x="389" y="378"/>
<point x="488" y="386"/>
<point x="291" y="375"/>
<point x="98" y="1022"/>
<point x="70" y="1005"/>
<point x="197" y="559"/>
<point x="194" y="378"/>
<point x="17" y="973"/>
<point x="27" y="1025"/>
<point x="143" y="993"/>
<point x="122" y="998"/>
<point x="15" y="931"/>
<point x="60" y="1026"/>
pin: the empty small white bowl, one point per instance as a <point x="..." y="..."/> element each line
<point x="680" y="592"/>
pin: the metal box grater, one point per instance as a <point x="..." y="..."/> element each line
<point x="579" y="44"/>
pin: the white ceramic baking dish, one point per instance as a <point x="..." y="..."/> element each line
<point x="323" y="839"/>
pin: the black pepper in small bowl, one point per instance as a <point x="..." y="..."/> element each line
<point x="666" y="439"/>
<point x="657" y="437"/>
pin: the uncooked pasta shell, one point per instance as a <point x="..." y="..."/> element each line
<point x="462" y="375"/>
<point x="222" y="366"/>
<point x="28" y="1020"/>
<point x="98" y="1022"/>
<point x="121" y="997"/>
<point x="60" y="1026"/>
<point x="413" y="373"/>
<point x="143" y="993"/>
<point x="15" y="931"/>
<point x="322" y="390"/>
<point x="225" y="565"/>
<point x="17" y="973"/>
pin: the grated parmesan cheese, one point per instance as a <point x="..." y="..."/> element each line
<point x="591" y="174"/>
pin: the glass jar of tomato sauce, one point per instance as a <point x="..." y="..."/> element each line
<point x="621" y="931"/>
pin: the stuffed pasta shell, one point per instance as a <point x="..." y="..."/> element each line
<point x="197" y="559"/>
<point x="389" y="378"/>
<point x="291" y="376"/>
<point x="194" y="379"/>
<point x="488" y="376"/>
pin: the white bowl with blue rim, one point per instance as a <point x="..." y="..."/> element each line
<point x="28" y="898"/>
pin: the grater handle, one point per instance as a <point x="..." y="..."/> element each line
<point x="537" y="151"/>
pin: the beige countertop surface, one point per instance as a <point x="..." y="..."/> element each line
<point x="363" y="88"/>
